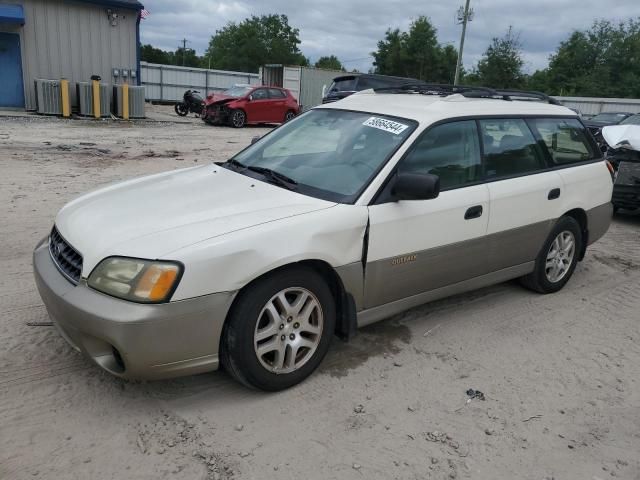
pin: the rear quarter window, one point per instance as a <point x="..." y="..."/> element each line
<point x="566" y="139"/>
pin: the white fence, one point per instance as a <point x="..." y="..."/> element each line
<point x="593" y="105"/>
<point x="167" y="83"/>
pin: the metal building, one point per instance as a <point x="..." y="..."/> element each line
<point x="306" y="84"/>
<point x="72" y="39"/>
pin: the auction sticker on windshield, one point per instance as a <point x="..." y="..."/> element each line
<point x="386" y="125"/>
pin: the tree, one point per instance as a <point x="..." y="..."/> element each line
<point x="501" y="65"/>
<point x="185" y="57"/>
<point x="416" y="54"/>
<point x="255" y="41"/>
<point x="603" y="61"/>
<point x="329" y="63"/>
<point x="153" y="55"/>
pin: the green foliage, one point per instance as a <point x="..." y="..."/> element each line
<point x="501" y="65"/>
<point x="186" y="57"/>
<point x="603" y="61"/>
<point x="255" y="41"/>
<point x="329" y="63"/>
<point x="415" y="54"/>
<point x="154" y="55"/>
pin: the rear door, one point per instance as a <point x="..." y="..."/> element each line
<point x="526" y="194"/>
<point x="420" y="245"/>
<point x="278" y="105"/>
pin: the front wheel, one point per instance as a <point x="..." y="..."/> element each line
<point x="279" y="330"/>
<point x="181" y="109"/>
<point x="238" y="118"/>
<point x="558" y="258"/>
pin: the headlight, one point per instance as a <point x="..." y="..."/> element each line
<point x="142" y="281"/>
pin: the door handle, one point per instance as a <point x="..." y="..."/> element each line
<point x="473" y="212"/>
<point x="553" y="194"/>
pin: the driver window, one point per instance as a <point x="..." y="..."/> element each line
<point x="451" y="151"/>
<point x="259" y="94"/>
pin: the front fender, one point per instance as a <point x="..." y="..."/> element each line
<point x="229" y="262"/>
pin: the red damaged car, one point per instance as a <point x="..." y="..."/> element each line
<point x="246" y="104"/>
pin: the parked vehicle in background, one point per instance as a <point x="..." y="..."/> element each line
<point x="632" y="120"/>
<point x="350" y="213"/>
<point x="246" y="104"/>
<point x="346" y="85"/>
<point x="595" y="124"/>
<point x="191" y="102"/>
<point x="623" y="151"/>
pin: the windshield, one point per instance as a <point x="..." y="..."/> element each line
<point x="329" y="154"/>
<point x="609" y="117"/>
<point x="237" y="91"/>
<point x="632" y="120"/>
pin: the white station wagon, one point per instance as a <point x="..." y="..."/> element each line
<point x="350" y="213"/>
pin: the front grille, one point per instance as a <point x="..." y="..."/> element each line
<point x="66" y="258"/>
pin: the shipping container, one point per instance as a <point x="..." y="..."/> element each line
<point x="306" y="84"/>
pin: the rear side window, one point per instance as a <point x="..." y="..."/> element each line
<point x="275" y="93"/>
<point x="510" y="148"/>
<point x="451" y="151"/>
<point x="565" y="138"/>
<point x="343" y="85"/>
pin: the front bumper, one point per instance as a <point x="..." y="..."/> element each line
<point x="133" y="340"/>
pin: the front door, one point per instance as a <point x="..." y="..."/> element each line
<point x="258" y="106"/>
<point x="11" y="86"/>
<point x="420" y="245"/>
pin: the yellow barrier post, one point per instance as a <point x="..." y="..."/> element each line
<point x="96" y="98"/>
<point x="64" y="92"/>
<point x="125" y="101"/>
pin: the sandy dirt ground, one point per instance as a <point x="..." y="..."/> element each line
<point x="560" y="373"/>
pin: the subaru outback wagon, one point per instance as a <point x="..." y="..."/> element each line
<point x="346" y="215"/>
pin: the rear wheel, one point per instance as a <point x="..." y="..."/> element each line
<point x="558" y="258"/>
<point x="290" y="115"/>
<point x="181" y="109"/>
<point x="237" y="118"/>
<point x="280" y="330"/>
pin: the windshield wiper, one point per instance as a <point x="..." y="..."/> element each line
<point x="275" y="177"/>
<point x="234" y="163"/>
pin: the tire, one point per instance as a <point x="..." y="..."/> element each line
<point x="550" y="275"/>
<point x="237" y="118"/>
<point x="181" y="109"/>
<point x="254" y="326"/>
<point x="290" y="115"/>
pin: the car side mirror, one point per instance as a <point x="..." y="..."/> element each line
<point x="416" y="186"/>
<point x="255" y="139"/>
<point x="249" y="98"/>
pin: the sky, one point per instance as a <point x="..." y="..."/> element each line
<point x="351" y="29"/>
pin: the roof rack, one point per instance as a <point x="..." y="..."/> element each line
<point x="469" y="91"/>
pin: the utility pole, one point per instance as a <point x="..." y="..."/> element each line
<point x="184" y="49"/>
<point x="464" y="15"/>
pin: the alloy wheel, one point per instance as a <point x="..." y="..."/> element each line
<point x="560" y="256"/>
<point x="288" y="330"/>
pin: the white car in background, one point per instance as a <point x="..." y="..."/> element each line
<point x="348" y="214"/>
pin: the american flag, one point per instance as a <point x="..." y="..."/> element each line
<point x="144" y="13"/>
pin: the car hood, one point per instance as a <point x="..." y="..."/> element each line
<point x="219" y="98"/>
<point x="622" y="136"/>
<point x="152" y="216"/>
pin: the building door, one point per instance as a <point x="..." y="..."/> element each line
<point x="11" y="86"/>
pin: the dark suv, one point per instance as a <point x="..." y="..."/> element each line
<point x="346" y="85"/>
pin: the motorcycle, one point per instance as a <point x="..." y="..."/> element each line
<point x="192" y="102"/>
